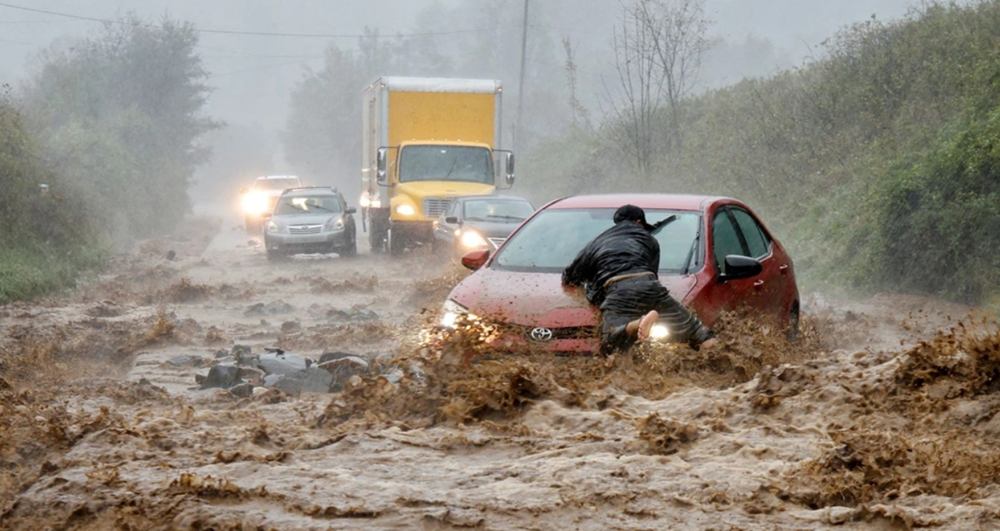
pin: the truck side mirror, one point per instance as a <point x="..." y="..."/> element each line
<point x="383" y="162"/>
<point x="510" y="169"/>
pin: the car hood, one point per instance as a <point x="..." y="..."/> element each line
<point x="536" y="299"/>
<point x="304" y="219"/>
<point x="492" y="229"/>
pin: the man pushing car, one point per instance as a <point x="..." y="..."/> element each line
<point x="619" y="271"/>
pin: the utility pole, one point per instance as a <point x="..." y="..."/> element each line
<point x="520" y="88"/>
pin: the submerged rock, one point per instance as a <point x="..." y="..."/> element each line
<point x="271" y="308"/>
<point x="342" y="369"/>
<point x="188" y="360"/>
<point x="311" y="380"/>
<point x="243" y="390"/>
<point x="221" y="376"/>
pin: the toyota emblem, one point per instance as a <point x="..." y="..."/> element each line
<point x="541" y="334"/>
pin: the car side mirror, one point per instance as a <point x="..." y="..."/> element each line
<point x="382" y="165"/>
<point x="739" y="267"/>
<point x="351" y="210"/>
<point x="510" y="168"/>
<point x="451" y="220"/>
<point x="476" y="259"/>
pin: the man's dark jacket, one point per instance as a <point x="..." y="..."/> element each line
<point x="623" y="249"/>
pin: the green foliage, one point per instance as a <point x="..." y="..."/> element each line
<point x="877" y="164"/>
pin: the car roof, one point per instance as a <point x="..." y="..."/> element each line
<point x="645" y="201"/>
<point x="325" y="190"/>
<point x="265" y="177"/>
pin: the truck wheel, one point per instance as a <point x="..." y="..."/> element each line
<point x="376" y="237"/>
<point x="397" y="242"/>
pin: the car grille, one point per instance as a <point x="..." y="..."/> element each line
<point x="497" y="242"/>
<point x="305" y="229"/>
<point x="434" y="207"/>
<point x="568" y="332"/>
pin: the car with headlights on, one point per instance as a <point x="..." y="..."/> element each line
<point x="715" y="256"/>
<point x="310" y="220"/>
<point x="479" y="222"/>
<point x="259" y="199"/>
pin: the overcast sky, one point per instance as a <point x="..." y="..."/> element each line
<point x="253" y="75"/>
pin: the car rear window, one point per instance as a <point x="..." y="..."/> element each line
<point x="553" y="238"/>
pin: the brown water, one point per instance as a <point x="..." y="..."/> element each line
<point x="885" y="415"/>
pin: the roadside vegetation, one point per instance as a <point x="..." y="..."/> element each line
<point x="110" y="124"/>
<point x="879" y="161"/>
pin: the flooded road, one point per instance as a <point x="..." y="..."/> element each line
<point x="885" y="415"/>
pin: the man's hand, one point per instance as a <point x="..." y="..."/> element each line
<point x="570" y="290"/>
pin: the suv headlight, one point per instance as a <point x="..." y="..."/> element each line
<point x="450" y="313"/>
<point x="335" y="224"/>
<point x="273" y="227"/>
<point x="255" y="203"/>
<point x="473" y="240"/>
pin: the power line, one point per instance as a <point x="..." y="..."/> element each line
<point x="241" y="32"/>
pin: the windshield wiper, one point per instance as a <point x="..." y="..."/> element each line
<point x="511" y="218"/>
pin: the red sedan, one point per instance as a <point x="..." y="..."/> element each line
<point x="716" y="256"/>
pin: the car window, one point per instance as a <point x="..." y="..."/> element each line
<point x="755" y="238"/>
<point x="553" y="238"/>
<point x="725" y="240"/>
<point x="314" y="204"/>
<point x="504" y="210"/>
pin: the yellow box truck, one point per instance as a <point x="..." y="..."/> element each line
<point x="426" y="141"/>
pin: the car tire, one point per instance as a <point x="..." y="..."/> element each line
<point x="377" y="237"/>
<point x="793" y="324"/>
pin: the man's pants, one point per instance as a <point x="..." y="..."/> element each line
<point x="630" y="299"/>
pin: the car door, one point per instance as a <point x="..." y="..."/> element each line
<point x="772" y="283"/>
<point x="731" y="295"/>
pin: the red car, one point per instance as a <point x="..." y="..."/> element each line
<point x="716" y="256"/>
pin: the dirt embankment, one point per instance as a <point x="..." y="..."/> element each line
<point x="872" y="419"/>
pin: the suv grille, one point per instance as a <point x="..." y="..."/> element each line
<point x="305" y="229"/>
<point x="434" y="207"/>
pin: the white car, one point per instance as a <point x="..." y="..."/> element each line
<point x="261" y="198"/>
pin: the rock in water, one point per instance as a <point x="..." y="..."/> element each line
<point x="222" y="376"/>
<point x="342" y="369"/>
<point x="282" y="363"/>
<point x="189" y="360"/>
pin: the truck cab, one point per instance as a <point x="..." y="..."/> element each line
<point x="427" y="142"/>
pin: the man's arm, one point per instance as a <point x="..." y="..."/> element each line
<point x="578" y="272"/>
<point x="654" y="258"/>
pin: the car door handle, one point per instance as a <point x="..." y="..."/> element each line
<point x="783" y="269"/>
<point x="759" y="285"/>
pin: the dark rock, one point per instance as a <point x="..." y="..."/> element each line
<point x="221" y="354"/>
<point x="342" y="369"/>
<point x="317" y="380"/>
<point x="282" y="363"/>
<point x="200" y="379"/>
<point x="252" y="375"/>
<point x="171" y="255"/>
<point x="189" y="360"/>
<point x="222" y="376"/>
<point x="271" y="308"/>
<point x="312" y="380"/>
<point x="289" y="327"/>
<point x="243" y="390"/>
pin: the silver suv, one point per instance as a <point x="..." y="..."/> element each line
<point x="310" y="220"/>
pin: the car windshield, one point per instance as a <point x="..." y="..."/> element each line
<point x="313" y="204"/>
<point x="553" y="238"/>
<point x="446" y="163"/>
<point x="275" y="184"/>
<point x="498" y="210"/>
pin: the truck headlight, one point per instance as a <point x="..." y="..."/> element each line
<point x="659" y="332"/>
<point x="255" y="203"/>
<point x="450" y="313"/>
<point x="405" y="210"/>
<point x="473" y="240"/>
<point x="273" y="227"/>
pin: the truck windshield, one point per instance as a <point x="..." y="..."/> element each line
<point x="446" y="163"/>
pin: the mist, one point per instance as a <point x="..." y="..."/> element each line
<point x="252" y="76"/>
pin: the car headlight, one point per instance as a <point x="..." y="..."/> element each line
<point x="255" y="203"/>
<point x="335" y="224"/>
<point x="659" y="332"/>
<point x="473" y="240"/>
<point x="450" y="313"/>
<point x="405" y="210"/>
<point x="273" y="227"/>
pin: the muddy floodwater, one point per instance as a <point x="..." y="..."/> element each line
<point x="885" y="414"/>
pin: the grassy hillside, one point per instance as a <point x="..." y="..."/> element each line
<point x="878" y="164"/>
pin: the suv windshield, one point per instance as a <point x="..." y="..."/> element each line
<point x="275" y="184"/>
<point x="553" y="238"/>
<point x="446" y="163"/>
<point x="313" y="204"/>
<point x="502" y="210"/>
